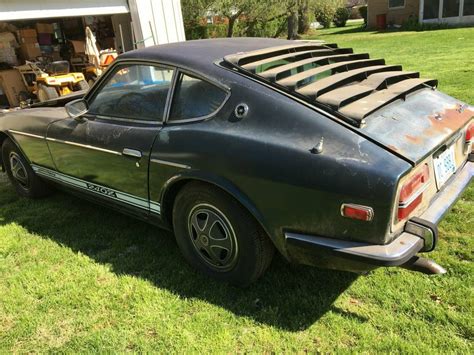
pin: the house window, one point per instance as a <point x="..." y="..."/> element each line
<point x="392" y="4"/>
<point x="430" y="9"/>
<point x="468" y="7"/>
<point x="451" y="8"/>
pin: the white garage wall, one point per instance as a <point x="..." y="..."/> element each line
<point x="33" y="9"/>
<point x="156" y="22"/>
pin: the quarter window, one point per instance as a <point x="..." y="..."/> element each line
<point x="396" y="3"/>
<point x="136" y="92"/>
<point x="195" y="98"/>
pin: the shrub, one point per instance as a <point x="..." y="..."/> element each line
<point x="341" y="16"/>
<point x="363" y="13"/>
<point x="217" y="30"/>
<point x="325" y="11"/>
<point x="412" y="24"/>
<point x="324" y="16"/>
<point x="196" y="32"/>
<point x="205" y="31"/>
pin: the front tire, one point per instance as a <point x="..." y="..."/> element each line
<point x="81" y="85"/>
<point x="20" y="173"/>
<point x="46" y="93"/>
<point x="218" y="236"/>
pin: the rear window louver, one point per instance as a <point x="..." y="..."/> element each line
<point x="350" y="85"/>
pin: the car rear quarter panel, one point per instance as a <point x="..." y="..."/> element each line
<point x="266" y="158"/>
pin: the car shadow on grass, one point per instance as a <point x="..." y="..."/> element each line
<point x="290" y="297"/>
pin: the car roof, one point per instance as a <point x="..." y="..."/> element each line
<point x="200" y="55"/>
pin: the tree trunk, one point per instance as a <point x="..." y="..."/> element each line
<point x="303" y="17"/>
<point x="293" y="25"/>
<point x="230" y="26"/>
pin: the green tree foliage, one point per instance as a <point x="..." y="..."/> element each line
<point x="195" y="10"/>
<point x="256" y="18"/>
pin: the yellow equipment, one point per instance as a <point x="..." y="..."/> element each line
<point x="52" y="82"/>
<point x="105" y="58"/>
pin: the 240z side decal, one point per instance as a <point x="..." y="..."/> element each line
<point x="101" y="190"/>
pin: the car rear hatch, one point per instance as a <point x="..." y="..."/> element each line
<point x="394" y="108"/>
<point x="420" y="124"/>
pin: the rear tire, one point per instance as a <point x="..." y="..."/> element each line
<point x="218" y="236"/>
<point x="46" y="93"/>
<point x="81" y="85"/>
<point x="20" y="173"/>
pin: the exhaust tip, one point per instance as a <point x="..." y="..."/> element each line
<point x="425" y="266"/>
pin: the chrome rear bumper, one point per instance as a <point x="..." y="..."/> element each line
<point x="396" y="253"/>
<point x="449" y="194"/>
<point x="420" y="235"/>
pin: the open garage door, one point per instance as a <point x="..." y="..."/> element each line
<point x="34" y="9"/>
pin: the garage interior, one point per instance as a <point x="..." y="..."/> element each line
<point x="35" y="36"/>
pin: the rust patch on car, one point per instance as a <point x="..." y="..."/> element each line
<point x="416" y="140"/>
<point x="450" y="120"/>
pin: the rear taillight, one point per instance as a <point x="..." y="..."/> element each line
<point x="469" y="146"/>
<point x="470" y="133"/>
<point x="411" y="193"/>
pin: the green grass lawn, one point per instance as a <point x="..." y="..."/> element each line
<point x="74" y="276"/>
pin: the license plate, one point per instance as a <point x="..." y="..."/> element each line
<point x="444" y="166"/>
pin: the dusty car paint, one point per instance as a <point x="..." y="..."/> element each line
<point x="266" y="159"/>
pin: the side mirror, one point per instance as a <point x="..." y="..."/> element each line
<point x="75" y="109"/>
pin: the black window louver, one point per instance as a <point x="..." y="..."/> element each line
<point x="351" y="86"/>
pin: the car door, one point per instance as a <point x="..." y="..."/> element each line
<point x="106" y="151"/>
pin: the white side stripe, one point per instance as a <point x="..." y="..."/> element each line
<point x="98" y="189"/>
<point x="25" y="134"/>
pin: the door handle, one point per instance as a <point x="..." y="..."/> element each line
<point x="132" y="153"/>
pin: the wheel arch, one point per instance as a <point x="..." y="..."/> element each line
<point x="3" y="137"/>
<point x="175" y="184"/>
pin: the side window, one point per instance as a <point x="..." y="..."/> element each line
<point x="195" y="98"/>
<point x="134" y="92"/>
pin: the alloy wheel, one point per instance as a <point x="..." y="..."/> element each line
<point x="213" y="237"/>
<point x="18" y="170"/>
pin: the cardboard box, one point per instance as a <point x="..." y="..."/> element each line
<point x="79" y="46"/>
<point x="30" y="51"/>
<point x="27" y="32"/>
<point x="8" y="40"/>
<point x="8" y="55"/>
<point x="12" y="84"/>
<point x="28" y="40"/>
<point x="44" y="28"/>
